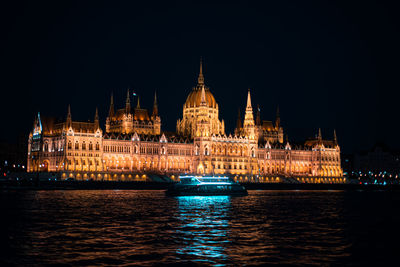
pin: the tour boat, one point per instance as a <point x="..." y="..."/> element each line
<point x="191" y="185"/>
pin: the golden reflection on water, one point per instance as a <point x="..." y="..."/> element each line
<point x="117" y="227"/>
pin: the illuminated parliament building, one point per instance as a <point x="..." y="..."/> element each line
<point x="134" y="146"/>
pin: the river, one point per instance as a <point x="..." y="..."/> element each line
<point x="134" y="227"/>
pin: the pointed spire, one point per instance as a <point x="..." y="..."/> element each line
<point x="155" y="106"/>
<point x="138" y="103"/>
<point x="319" y="134"/>
<point x="200" y="79"/>
<point x="334" y="136"/>
<point x="96" y="118"/>
<point x="37" y="126"/>
<point x="248" y="116"/>
<point x="258" y="117"/>
<point x="69" y="118"/>
<point x="111" y="112"/>
<point x="69" y="112"/>
<point x="128" y="103"/>
<point x="203" y="97"/>
<point x="248" y="100"/>
<point x="278" y="118"/>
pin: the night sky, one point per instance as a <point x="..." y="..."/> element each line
<point x="329" y="65"/>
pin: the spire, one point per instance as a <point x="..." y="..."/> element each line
<point x="138" y="103"/>
<point x="96" y="115"/>
<point x="278" y="118"/>
<point x="200" y="79"/>
<point x="69" y="112"/>
<point x="334" y="136"/>
<point x="96" y="118"/>
<point x="128" y="103"/>
<point x="319" y="134"/>
<point x="155" y="106"/>
<point x="258" y="117"/>
<point x="111" y="112"/>
<point x="69" y="119"/>
<point x="203" y="97"/>
<point x="37" y="126"/>
<point x="248" y="100"/>
<point x="248" y="116"/>
<point x="239" y="121"/>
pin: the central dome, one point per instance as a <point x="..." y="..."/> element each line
<point x="194" y="98"/>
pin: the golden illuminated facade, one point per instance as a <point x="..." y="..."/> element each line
<point x="134" y="147"/>
<point x="200" y="112"/>
<point x="124" y="121"/>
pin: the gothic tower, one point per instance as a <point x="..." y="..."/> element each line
<point x="248" y="124"/>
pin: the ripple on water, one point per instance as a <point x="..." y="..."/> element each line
<point x="116" y="227"/>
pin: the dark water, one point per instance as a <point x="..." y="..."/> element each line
<point x="146" y="228"/>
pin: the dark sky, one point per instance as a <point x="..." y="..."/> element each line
<point x="326" y="64"/>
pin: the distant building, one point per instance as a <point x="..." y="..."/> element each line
<point x="379" y="159"/>
<point x="133" y="143"/>
<point x="347" y="163"/>
<point x="8" y="154"/>
<point x="13" y="155"/>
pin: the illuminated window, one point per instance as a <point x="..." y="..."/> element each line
<point x="83" y="146"/>
<point x="97" y="146"/>
<point x="90" y="146"/>
<point x="76" y="145"/>
<point x="69" y="145"/>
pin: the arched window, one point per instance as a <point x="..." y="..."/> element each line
<point x="90" y="146"/>
<point x="97" y="146"/>
<point x="69" y="145"/>
<point x="83" y="145"/>
<point x="46" y="147"/>
<point x="76" y="145"/>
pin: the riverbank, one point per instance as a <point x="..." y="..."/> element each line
<point x="142" y="185"/>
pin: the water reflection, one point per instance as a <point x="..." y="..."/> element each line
<point x="203" y="228"/>
<point x="146" y="228"/>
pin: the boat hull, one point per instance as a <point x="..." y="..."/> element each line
<point x="206" y="190"/>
